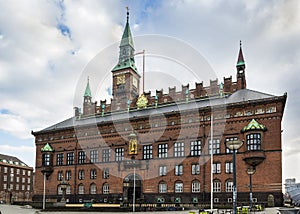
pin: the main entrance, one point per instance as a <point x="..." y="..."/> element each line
<point x="130" y="183"/>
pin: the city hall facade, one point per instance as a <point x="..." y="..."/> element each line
<point x="156" y="150"/>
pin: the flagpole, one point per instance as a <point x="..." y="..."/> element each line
<point x="133" y="200"/>
<point x="211" y="161"/>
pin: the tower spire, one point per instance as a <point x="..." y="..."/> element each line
<point x="240" y="67"/>
<point x="240" y="61"/>
<point x="126" y="54"/>
<point x="87" y="92"/>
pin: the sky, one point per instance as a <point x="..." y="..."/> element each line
<point x="46" y="45"/>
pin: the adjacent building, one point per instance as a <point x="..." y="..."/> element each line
<point x="16" y="180"/>
<point x="156" y="150"/>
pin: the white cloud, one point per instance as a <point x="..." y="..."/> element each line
<point x="24" y="153"/>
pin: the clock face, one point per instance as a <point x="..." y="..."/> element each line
<point x="121" y="79"/>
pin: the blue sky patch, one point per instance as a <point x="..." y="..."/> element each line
<point x="64" y="30"/>
<point x="5" y="111"/>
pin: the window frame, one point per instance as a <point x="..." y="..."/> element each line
<point x="195" y="148"/>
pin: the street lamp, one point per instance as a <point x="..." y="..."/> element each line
<point x="250" y="172"/>
<point x="234" y="145"/>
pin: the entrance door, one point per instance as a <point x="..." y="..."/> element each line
<point x="128" y="188"/>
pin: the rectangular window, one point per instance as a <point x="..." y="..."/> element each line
<point x="253" y="141"/>
<point x="60" y="159"/>
<point x="179" y="149"/>
<point x="119" y="154"/>
<point x="5" y="178"/>
<point x="93" y="174"/>
<point x="94" y="156"/>
<point x="216" y="146"/>
<point x="229" y="139"/>
<point x="179" y="169"/>
<point x="68" y="175"/>
<point x="46" y="160"/>
<point x="195" y="169"/>
<point x="28" y="180"/>
<point x="105" y="173"/>
<point x="4" y="186"/>
<point x="70" y="158"/>
<point x="196" y="148"/>
<point x="105" y="155"/>
<point x="162" y="170"/>
<point x="216" y="168"/>
<point x="147" y="152"/>
<point x="18" y="171"/>
<point x="59" y="175"/>
<point x="162" y="150"/>
<point x="28" y="173"/>
<point x="229" y="167"/>
<point x="5" y="169"/>
<point x="81" y="157"/>
<point x="81" y="174"/>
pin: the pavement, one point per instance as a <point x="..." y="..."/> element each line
<point x="9" y="209"/>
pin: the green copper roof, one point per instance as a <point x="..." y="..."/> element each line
<point x="47" y="148"/>
<point x="126" y="64"/>
<point x="127" y="37"/>
<point x="254" y="125"/>
<point x="240" y="61"/>
<point x="88" y="92"/>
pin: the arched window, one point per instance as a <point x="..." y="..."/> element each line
<point x="59" y="190"/>
<point x="68" y="190"/>
<point x="178" y="186"/>
<point x="162" y="187"/>
<point x="105" y="188"/>
<point x="217" y="185"/>
<point x="93" y="188"/>
<point x="81" y="189"/>
<point x="229" y="186"/>
<point x="196" y="186"/>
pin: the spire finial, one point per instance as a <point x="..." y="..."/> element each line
<point x="240" y="43"/>
<point x="127" y="8"/>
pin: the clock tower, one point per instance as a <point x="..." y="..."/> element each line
<point x="126" y="79"/>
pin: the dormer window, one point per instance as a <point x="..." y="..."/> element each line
<point x="254" y="132"/>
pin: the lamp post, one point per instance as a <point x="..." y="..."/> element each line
<point x="250" y="172"/>
<point x="234" y="145"/>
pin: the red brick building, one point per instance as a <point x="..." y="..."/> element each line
<point x="16" y="180"/>
<point x="159" y="146"/>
